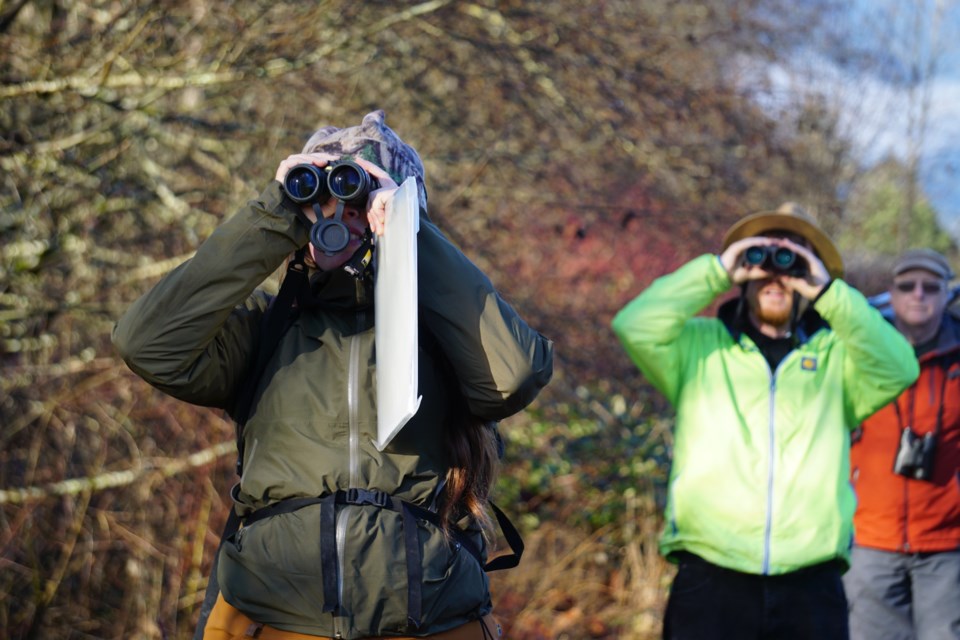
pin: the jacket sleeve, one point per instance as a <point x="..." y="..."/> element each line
<point x="879" y="362"/>
<point x="501" y="363"/>
<point x="193" y="334"/>
<point x="655" y="326"/>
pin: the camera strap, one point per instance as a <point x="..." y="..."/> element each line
<point x="912" y="397"/>
<point x="357" y="265"/>
<point x="360" y="260"/>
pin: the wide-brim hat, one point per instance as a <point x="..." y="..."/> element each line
<point x="792" y="218"/>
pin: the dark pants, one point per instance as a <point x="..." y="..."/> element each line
<point x="708" y="602"/>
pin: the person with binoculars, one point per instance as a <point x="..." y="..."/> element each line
<point x="338" y="538"/>
<point x="759" y="506"/>
<point x="904" y="580"/>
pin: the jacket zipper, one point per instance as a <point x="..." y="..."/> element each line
<point x="931" y="402"/>
<point x="353" y="453"/>
<point x="906" y="515"/>
<point x="353" y="401"/>
<point x="771" y="432"/>
<point x="911" y="418"/>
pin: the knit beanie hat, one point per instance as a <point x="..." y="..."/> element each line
<point x="375" y="142"/>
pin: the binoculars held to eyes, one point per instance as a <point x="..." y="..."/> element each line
<point x="346" y="181"/>
<point x="776" y="259"/>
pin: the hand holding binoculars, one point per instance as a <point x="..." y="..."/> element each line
<point x="344" y="180"/>
<point x="776" y="259"/>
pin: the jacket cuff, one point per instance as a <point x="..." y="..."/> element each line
<point x="822" y="291"/>
<point x="276" y="202"/>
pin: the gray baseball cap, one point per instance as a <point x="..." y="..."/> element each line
<point x="926" y="259"/>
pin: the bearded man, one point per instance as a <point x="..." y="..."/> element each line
<point x="759" y="509"/>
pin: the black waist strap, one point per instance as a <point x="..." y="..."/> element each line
<point x="328" y="540"/>
<point x="410" y="513"/>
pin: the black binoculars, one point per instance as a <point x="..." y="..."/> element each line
<point x="346" y="181"/>
<point x="915" y="455"/>
<point x="776" y="258"/>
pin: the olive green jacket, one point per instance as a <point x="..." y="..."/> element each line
<point x="314" y="417"/>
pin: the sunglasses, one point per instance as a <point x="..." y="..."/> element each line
<point x="929" y="287"/>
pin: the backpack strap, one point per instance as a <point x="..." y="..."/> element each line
<point x="409" y="513"/>
<point x="276" y="320"/>
<point x="514" y="541"/>
<point x="328" y="541"/>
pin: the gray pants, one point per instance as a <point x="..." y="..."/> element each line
<point x="903" y="596"/>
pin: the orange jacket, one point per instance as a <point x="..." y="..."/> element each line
<point x="895" y="513"/>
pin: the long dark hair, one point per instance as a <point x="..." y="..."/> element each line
<point x="473" y="449"/>
<point x="474" y="453"/>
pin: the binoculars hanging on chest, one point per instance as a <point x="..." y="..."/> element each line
<point x="915" y="455"/>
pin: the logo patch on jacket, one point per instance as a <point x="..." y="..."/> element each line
<point x="808" y="363"/>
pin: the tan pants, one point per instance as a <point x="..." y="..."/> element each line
<point x="228" y="623"/>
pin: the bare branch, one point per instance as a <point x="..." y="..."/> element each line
<point x="112" y="479"/>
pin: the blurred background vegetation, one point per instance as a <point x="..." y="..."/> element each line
<point x="575" y="150"/>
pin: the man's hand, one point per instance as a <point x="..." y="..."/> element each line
<point x="817" y="277"/>
<point x="809" y="286"/>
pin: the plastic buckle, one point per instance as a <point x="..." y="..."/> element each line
<point x="373" y="497"/>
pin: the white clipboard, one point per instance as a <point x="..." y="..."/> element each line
<point x="395" y="314"/>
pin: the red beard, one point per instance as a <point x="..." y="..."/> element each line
<point x="775" y="317"/>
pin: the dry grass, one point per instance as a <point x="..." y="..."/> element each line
<point x="576" y="586"/>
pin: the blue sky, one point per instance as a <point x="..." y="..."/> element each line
<point x="920" y="37"/>
<point x="923" y="36"/>
<point x="862" y="60"/>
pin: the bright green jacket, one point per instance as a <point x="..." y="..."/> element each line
<point x="759" y="481"/>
